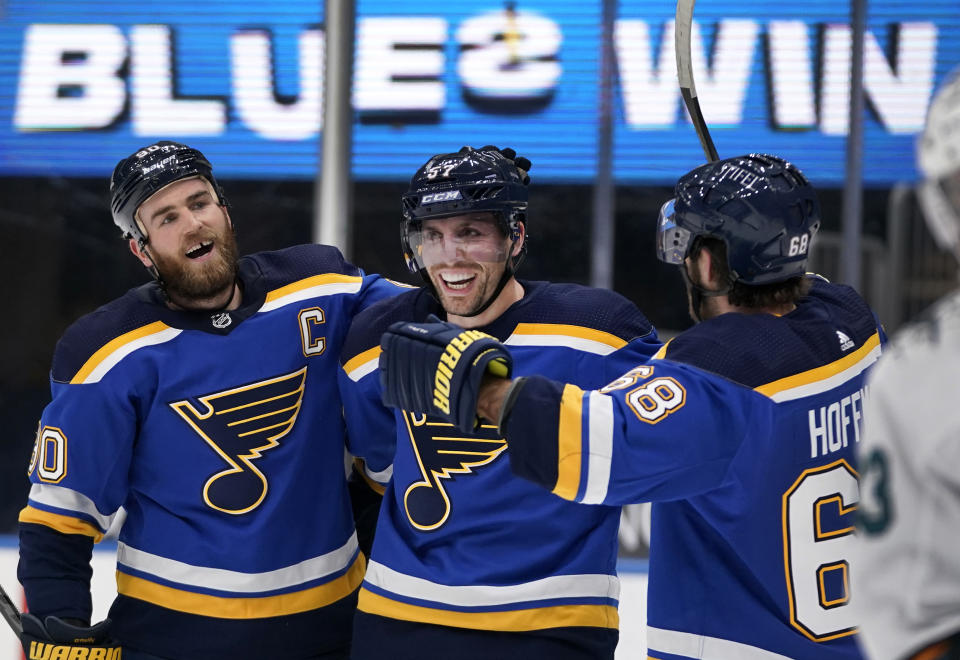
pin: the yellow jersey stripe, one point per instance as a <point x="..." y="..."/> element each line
<point x="243" y="608"/>
<point x="360" y="466"/>
<point x="309" y="282"/>
<point x="359" y="365"/>
<point x="569" y="331"/>
<point x="662" y="351"/>
<point x="570" y="450"/>
<point x="61" y="523"/>
<point x="115" y="345"/>
<point x="867" y="353"/>
<point x="538" y="618"/>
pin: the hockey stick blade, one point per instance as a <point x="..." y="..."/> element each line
<point x="10" y="612"/>
<point x="683" y="26"/>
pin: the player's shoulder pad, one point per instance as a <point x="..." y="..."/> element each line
<point x="281" y="267"/>
<point x="845" y="306"/>
<point x="93" y="331"/>
<point x="589" y="307"/>
<point x="830" y="322"/>
<point x="369" y="325"/>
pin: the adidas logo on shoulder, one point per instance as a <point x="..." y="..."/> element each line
<point x="845" y="342"/>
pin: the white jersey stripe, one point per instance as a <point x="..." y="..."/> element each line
<point x="111" y="360"/>
<point x="367" y="367"/>
<point x="311" y="292"/>
<point x="69" y="500"/>
<point x="236" y="581"/>
<point x="705" y="648"/>
<point x="558" y="586"/>
<point x="576" y="343"/>
<point x="827" y="384"/>
<point x="600" y="446"/>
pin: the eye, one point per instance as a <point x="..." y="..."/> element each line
<point x="168" y="218"/>
<point x="199" y="204"/>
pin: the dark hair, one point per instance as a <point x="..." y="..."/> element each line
<point x="756" y="296"/>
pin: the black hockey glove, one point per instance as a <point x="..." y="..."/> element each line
<point x="436" y="368"/>
<point x="522" y="164"/>
<point x="55" y="638"/>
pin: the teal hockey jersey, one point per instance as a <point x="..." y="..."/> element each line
<point x="221" y="437"/>
<point x="742" y="432"/>
<point x="461" y="541"/>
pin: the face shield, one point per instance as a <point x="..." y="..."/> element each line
<point x="673" y="241"/>
<point x="456" y="240"/>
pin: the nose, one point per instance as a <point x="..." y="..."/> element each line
<point x="196" y="221"/>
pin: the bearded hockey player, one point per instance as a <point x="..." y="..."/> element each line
<point x="204" y="404"/>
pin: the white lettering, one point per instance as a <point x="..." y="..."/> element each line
<point x="900" y="98"/>
<point x="58" y="91"/>
<point x="509" y="54"/>
<point x="829" y="425"/>
<point x="649" y="94"/>
<point x="71" y="75"/>
<point x="379" y="83"/>
<point x="155" y="110"/>
<point x="254" y="88"/>
<point x="817" y="432"/>
<point x="791" y="75"/>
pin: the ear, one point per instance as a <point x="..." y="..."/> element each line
<point x="140" y="254"/>
<point x="518" y="246"/>
<point x="704" y="267"/>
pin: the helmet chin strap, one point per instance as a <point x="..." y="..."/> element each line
<point x="698" y="293"/>
<point x="508" y="271"/>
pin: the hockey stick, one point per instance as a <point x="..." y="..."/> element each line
<point x="10" y="612"/>
<point x="682" y="29"/>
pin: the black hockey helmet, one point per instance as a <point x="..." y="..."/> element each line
<point x="468" y="181"/>
<point x="139" y="176"/>
<point x="762" y="207"/>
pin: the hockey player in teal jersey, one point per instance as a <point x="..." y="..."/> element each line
<point x="741" y="430"/>
<point x="204" y="404"/>
<point x="467" y="557"/>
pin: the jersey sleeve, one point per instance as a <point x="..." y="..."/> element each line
<point x="661" y="431"/>
<point x="376" y="288"/>
<point x="78" y="474"/>
<point x="371" y="426"/>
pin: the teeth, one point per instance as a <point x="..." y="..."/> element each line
<point x="197" y="247"/>
<point x="453" y="279"/>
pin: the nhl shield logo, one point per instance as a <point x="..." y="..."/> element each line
<point x="221" y="320"/>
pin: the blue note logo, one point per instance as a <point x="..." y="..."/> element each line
<point x="240" y="424"/>
<point x="443" y="452"/>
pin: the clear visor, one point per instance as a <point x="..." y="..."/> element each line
<point x="673" y="242"/>
<point x="459" y="239"/>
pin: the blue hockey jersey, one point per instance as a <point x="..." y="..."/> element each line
<point x="742" y="432"/>
<point x="461" y="541"/>
<point x="222" y="438"/>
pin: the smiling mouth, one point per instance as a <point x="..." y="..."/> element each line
<point x="457" y="282"/>
<point x="199" y="250"/>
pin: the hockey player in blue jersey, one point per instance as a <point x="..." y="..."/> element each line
<point x="204" y="404"/>
<point x="740" y="430"/>
<point x="467" y="557"/>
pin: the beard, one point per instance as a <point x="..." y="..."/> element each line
<point x="185" y="282"/>
<point x="484" y="287"/>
